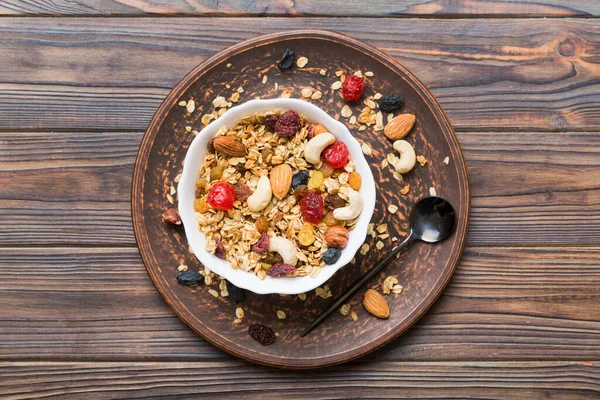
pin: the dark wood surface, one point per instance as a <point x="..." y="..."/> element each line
<point x="519" y="319"/>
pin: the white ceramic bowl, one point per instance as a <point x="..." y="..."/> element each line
<point x="191" y="172"/>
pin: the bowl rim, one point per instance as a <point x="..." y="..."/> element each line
<point x="247" y="280"/>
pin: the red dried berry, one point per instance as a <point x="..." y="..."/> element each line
<point x="353" y="88"/>
<point x="310" y="132"/>
<point x="242" y="191"/>
<point x="336" y="155"/>
<point x="312" y="207"/>
<point x="288" y="124"/>
<point x="262" y="245"/>
<point x="262" y="334"/>
<point x="279" y="270"/>
<point x="270" y="122"/>
<point x="221" y="196"/>
<point x="220" y="250"/>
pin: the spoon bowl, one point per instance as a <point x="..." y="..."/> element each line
<point x="432" y="219"/>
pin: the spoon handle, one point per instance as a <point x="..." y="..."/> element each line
<point x="354" y="288"/>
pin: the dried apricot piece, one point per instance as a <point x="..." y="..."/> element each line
<point x="355" y="180"/>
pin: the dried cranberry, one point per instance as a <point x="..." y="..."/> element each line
<point x="312" y="207"/>
<point x="282" y="269"/>
<point x="336" y="155"/>
<point x="221" y="196"/>
<point x="262" y="334"/>
<point x="353" y="88"/>
<point x="270" y="122"/>
<point x="262" y="245"/>
<point x="242" y="191"/>
<point x="288" y="124"/>
<point x="220" y="250"/>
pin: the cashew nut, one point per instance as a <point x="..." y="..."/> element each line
<point x="314" y="147"/>
<point x="286" y="249"/>
<point x="353" y="209"/>
<point x="261" y="196"/>
<point x="408" y="158"/>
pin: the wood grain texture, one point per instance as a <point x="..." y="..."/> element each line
<point x="424" y="380"/>
<point x="73" y="188"/>
<point x="111" y="74"/>
<point x="374" y="8"/>
<point x="99" y="304"/>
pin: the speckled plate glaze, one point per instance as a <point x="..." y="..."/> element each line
<point x="424" y="270"/>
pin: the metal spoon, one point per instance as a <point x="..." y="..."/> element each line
<point x="431" y="220"/>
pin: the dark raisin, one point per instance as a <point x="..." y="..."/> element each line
<point x="240" y="167"/>
<point x="220" y="250"/>
<point x="300" y="191"/>
<point x="242" y="191"/>
<point x="235" y="293"/>
<point x="310" y="132"/>
<point x="287" y="60"/>
<point x="189" y="278"/>
<point x="331" y="256"/>
<point x="272" y="258"/>
<point x="209" y="145"/>
<point x="270" y="122"/>
<point x="333" y="201"/>
<point x="299" y="178"/>
<point x="288" y="124"/>
<point x="262" y="334"/>
<point x="391" y="102"/>
<point x="262" y="245"/>
<point x="281" y="269"/>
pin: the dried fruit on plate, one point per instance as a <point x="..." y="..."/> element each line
<point x="189" y="278"/>
<point x="287" y="60"/>
<point x="262" y="334"/>
<point x="391" y="102"/>
<point x="171" y="216"/>
<point x="353" y="88"/>
<point x="235" y="293"/>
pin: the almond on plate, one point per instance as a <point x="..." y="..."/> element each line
<point x="400" y="126"/>
<point x="375" y="304"/>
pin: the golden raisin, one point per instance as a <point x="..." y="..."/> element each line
<point x="306" y="237"/>
<point x="262" y="224"/>
<point x="200" y="206"/>
<point x="216" y="173"/>
<point x="330" y="220"/>
<point x="355" y="180"/>
<point x="201" y="183"/>
<point x="316" y="179"/>
<point x="326" y="170"/>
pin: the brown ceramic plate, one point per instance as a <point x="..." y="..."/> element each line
<point x="424" y="270"/>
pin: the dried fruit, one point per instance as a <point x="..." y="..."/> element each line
<point x="312" y="207"/>
<point x="281" y="180"/>
<point x="288" y="124"/>
<point x="318" y="129"/>
<point x="400" y="126"/>
<point x="331" y="256"/>
<point x="216" y="172"/>
<point x="229" y="146"/>
<point x="375" y="303"/>
<point x="330" y="220"/>
<point x="287" y="60"/>
<point x="327" y="170"/>
<point x="316" y="180"/>
<point x="242" y="191"/>
<point x="336" y="155"/>
<point x="262" y="245"/>
<point x="391" y="102"/>
<point x="189" y="278"/>
<point x="355" y="180"/>
<point x="220" y="250"/>
<point x="262" y="334"/>
<point x="300" y="191"/>
<point x="171" y="216"/>
<point x="265" y="155"/>
<point x="310" y="132"/>
<point x="210" y="145"/>
<point x="200" y="206"/>
<point x="333" y="201"/>
<point x="221" y="196"/>
<point x="353" y="88"/>
<point x="270" y="122"/>
<point x="336" y="236"/>
<point x="235" y="293"/>
<point x="306" y="236"/>
<point x="281" y="269"/>
<point x="299" y="178"/>
<point x="273" y="258"/>
<point x="262" y="224"/>
<point x="199" y="192"/>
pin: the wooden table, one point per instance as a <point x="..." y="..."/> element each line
<point x="79" y="82"/>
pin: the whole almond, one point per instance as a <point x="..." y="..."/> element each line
<point x="376" y="304"/>
<point x="229" y="146"/>
<point x="400" y="126"/>
<point x="318" y="129"/>
<point x="281" y="180"/>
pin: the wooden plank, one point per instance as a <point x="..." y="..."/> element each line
<point x="112" y="73"/>
<point x="423" y="380"/>
<point x="99" y="304"/>
<point x="374" y="8"/>
<point x="74" y="188"/>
